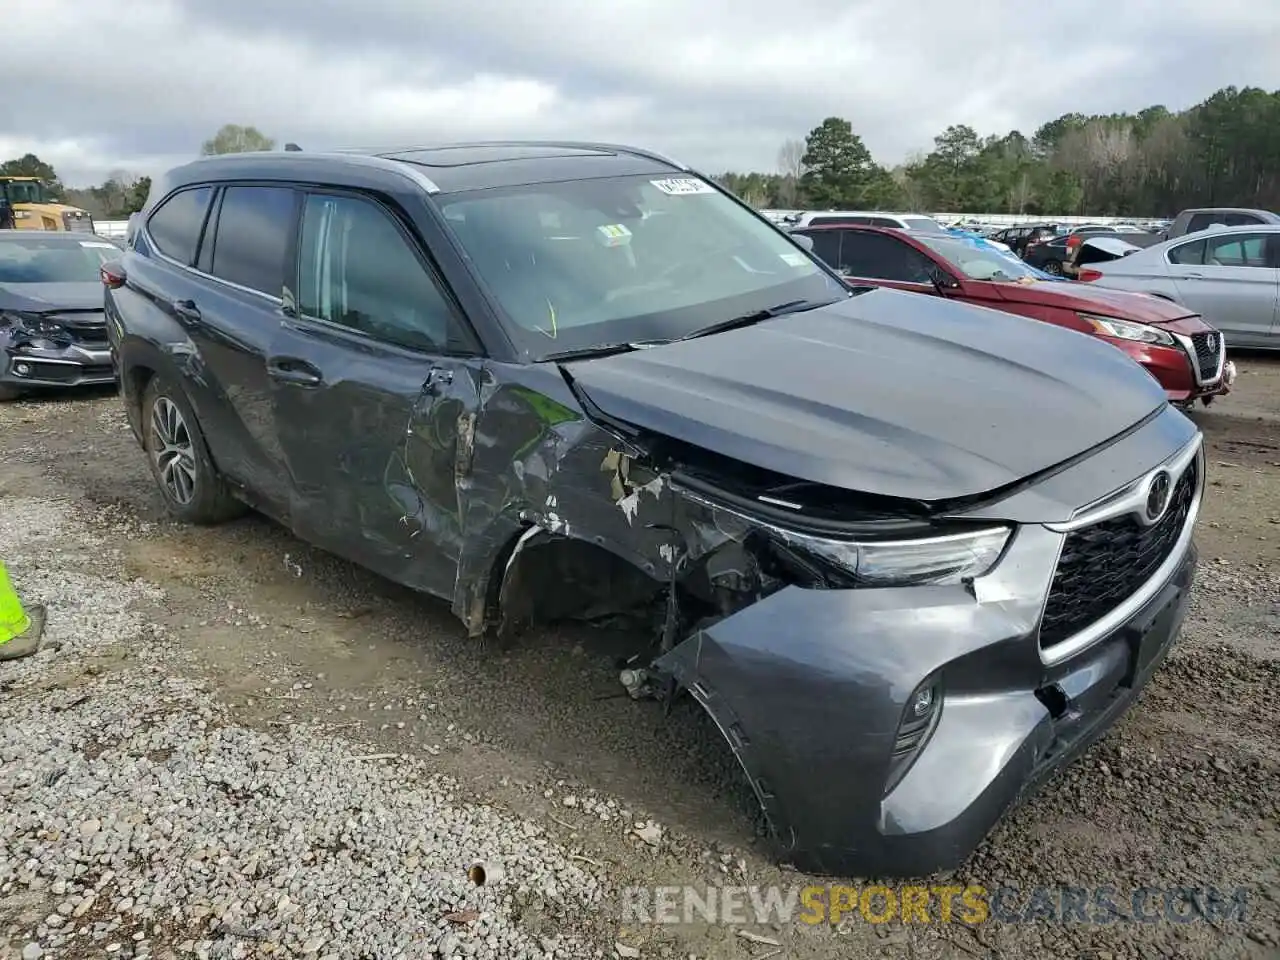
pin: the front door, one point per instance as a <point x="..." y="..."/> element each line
<point x="375" y="386"/>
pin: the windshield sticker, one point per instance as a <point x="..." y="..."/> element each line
<point x="682" y="186"/>
<point x="97" y="244"/>
<point x="613" y="235"/>
<point x="794" y="259"/>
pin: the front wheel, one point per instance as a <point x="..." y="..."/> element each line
<point x="191" y="485"/>
<point x="1053" y="267"/>
<point x="8" y="393"/>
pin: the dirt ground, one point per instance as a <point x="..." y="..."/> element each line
<point x="1184" y="793"/>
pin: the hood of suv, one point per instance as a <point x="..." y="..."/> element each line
<point x="1139" y="307"/>
<point x="886" y="393"/>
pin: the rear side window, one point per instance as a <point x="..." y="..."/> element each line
<point x="252" y="238"/>
<point x="1237" y="250"/>
<point x="357" y="268"/>
<point x="1201" y="220"/>
<point x="878" y="256"/>
<point x="1241" y="220"/>
<point x="882" y="222"/>
<point x="176" y="224"/>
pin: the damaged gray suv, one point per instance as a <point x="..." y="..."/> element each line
<point x="907" y="573"/>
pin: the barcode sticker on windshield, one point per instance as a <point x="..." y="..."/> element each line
<point x="683" y="186"/>
<point x="794" y="259"/>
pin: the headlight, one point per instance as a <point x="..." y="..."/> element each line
<point x="1127" y="329"/>
<point x="929" y="560"/>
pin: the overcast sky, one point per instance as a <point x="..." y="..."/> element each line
<point x="96" y="85"/>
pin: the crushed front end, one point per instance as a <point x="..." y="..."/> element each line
<point x="53" y="349"/>
<point x="893" y="683"/>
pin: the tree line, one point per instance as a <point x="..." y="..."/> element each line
<point x="123" y="192"/>
<point x="1224" y="151"/>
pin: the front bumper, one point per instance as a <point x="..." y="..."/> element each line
<point x="1177" y="368"/>
<point x="40" y="368"/>
<point x="811" y="688"/>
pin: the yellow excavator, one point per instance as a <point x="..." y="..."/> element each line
<point x="32" y="206"/>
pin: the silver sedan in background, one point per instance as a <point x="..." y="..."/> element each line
<point x="1230" y="276"/>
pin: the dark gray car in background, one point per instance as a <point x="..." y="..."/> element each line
<point x="52" y="332"/>
<point x="906" y="575"/>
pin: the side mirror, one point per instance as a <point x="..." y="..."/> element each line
<point x="803" y="240"/>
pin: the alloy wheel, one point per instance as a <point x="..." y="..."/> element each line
<point x="174" y="451"/>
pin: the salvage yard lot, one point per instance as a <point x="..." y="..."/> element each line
<point x="236" y="745"/>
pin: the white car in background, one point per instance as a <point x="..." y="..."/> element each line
<point x="1230" y="276"/>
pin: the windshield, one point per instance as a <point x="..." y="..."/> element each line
<point x="44" y="260"/>
<point x="586" y="263"/>
<point x="923" y="223"/>
<point x="27" y="191"/>
<point x="977" y="261"/>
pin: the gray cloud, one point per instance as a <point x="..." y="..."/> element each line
<point x="718" y="83"/>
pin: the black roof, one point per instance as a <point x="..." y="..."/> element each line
<point x="449" y="168"/>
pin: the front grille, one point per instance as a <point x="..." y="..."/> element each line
<point x="1103" y="565"/>
<point x="77" y="221"/>
<point x="87" y="329"/>
<point x="1208" y="359"/>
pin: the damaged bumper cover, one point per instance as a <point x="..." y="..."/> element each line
<point x="54" y="356"/>
<point x="886" y="730"/>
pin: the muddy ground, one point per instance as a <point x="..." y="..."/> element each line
<point x="1184" y="793"/>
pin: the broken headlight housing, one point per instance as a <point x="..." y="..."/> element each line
<point x="38" y="331"/>
<point x="939" y="560"/>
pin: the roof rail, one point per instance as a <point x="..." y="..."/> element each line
<point x="572" y="144"/>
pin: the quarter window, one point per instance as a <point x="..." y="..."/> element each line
<point x="252" y="239"/>
<point x="357" y="268"/>
<point x="826" y="246"/>
<point x="176" y="224"/>
<point x="1189" y="254"/>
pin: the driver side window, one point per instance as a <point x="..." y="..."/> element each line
<point x="877" y="256"/>
<point x="357" y="268"/>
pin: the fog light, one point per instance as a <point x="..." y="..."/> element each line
<point x="24" y="369"/>
<point x="922" y="702"/>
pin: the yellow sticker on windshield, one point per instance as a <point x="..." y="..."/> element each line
<point x="613" y="235"/>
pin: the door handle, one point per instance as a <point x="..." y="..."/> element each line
<point x="186" y="310"/>
<point x="1193" y="276"/>
<point x="292" y="370"/>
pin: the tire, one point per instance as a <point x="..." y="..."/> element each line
<point x="1053" y="267"/>
<point x="8" y="393"/>
<point x="192" y="488"/>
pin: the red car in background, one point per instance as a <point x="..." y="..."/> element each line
<point x="1185" y="354"/>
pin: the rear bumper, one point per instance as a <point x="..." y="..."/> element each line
<point x="26" y="367"/>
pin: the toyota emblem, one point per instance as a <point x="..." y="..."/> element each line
<point x="1158" y="493"/>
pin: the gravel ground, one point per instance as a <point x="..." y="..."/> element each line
<point x="236" y="746"/>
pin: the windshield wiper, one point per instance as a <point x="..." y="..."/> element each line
<point x="747" y="319"/>
<point x="602" y="350"/>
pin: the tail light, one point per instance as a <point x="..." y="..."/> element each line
<point x="112" y="275"/>
<point x="1088" y="275"/>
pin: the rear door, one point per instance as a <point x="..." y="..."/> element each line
<point x="375" y="386"/>
<point x="232" y="316"/>
<point x="1232" y="281"/>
